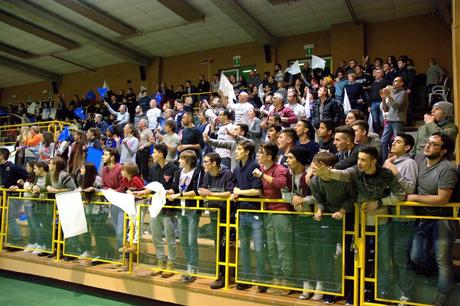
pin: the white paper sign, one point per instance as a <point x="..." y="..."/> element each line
<point x="71" y="213"/>
<point x="158" y="198"/>
<point x="317" y="62"/>
<point x="125" y="201"/>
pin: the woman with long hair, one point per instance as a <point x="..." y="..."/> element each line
<point x="77" y="153"/>
<point x="46" y="148"/>
<point x="96" y="216"/>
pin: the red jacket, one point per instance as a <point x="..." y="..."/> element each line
<point x="285" y="111"/>
<point x="136" y="183"/>
<point x="280" y="180"/>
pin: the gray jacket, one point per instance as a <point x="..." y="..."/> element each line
<point x="397" y="104"/>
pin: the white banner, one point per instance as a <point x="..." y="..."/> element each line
<point x="158" y="198"/>
<point x="71" y="213"/>
<point x="125" y="201"/>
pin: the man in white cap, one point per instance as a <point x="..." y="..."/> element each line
<point x="440" y="120"/>
<point x="241" y="109"/>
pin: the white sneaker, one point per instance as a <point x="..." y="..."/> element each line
<point x="85" y="254"/>
<point x="30" y="247"/>
<point x="39" y="249"/>
<point x="304" y="296"/>
<point x="317" y="297"/>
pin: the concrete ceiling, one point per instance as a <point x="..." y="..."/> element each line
<point x="57" y="37"/>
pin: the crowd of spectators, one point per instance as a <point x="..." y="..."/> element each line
<point x="287" y="136"/>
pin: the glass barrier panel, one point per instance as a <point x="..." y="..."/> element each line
<point x="100" y="242"/>
<point x="406" y="266"/>
<point x="179" y="240"/>
<point x="30" y="224"/>
<point x="290" y="250"/>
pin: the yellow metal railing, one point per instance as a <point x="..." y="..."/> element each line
<point x="360" y="233"/>
<point x="8" y="133"/>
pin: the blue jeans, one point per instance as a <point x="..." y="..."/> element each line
<point x="392" y="128"/>
<point x="164" y="223"/>
<point x="442" y="235"/>
<point x="251" y="226"/>
<point x="32" y="222"/>
<point x="377" y="116"/>
<point x="118" y="218"/>
<point x="188" y="226"/>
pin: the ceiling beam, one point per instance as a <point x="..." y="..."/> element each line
<point x="89" y="37"/>
<point x="441" y="7"/>
<point x="29" y="69"/>
<point x="99" y="16"/>
<point x="232" y="9"/>
<point x="16" y="52"/>
<point x="37" y="30"/>
<point x="183" y="9"/>
<point x="351" y="9"/>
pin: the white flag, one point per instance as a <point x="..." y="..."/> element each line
<point x="261" y="93"/>
<point x="370" y="121"/>
<point x="226" y="87"/>
<point x="307" y="109"/>
<point x="71" y="213"/>
<point x="294" y="69"/>
<point x="317" y="62"/>
<point x="105" y="85"/>
<point x="125" y="201"/>
<point x="346" y="103"/>
<point x="158" y="198"/>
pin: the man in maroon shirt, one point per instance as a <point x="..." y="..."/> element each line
<point x="111" y="179"/>
<point x="287" y="115"/>
<point x="279" y="227"/>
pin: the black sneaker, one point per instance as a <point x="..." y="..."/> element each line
<point x="441" y="299"/>
<point x="218" y="283"/>
<point x="329" y="299"/>
<point x="243" y="286"/>
<point x="261" y="289"/>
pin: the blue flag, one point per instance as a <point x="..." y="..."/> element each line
<point x="79" y="113"/>
<point x="159" y="98"/>
<point x="65" y="134"/>
<point x="94" y="156"/>
<point x="102" y="91"/>
<point x="90" y="96"/>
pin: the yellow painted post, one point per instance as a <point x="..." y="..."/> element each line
<point x="227" y="245"/>
<point x="2" y="225"/>
<point x="59" y="237"/>
<point x="362" y="254"/>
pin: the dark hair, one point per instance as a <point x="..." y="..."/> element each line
<point x="171" y="124"/>
<point x="244" y="127"/>
<point x="371" y="151"/>
<point x="190" y="157"/>
<point x="291" y="133"/>
<point x="113" y="152"/>
<point x="162" y="148"/>
<point x="42" y="164"/>
<point x="347" y="130"/>
<point x="248" y="145"/>
<point x="359" y="115"/>
<point x="47" y="138"/>
<point x="31" y="177"/>
<point x="60" y="165"/>
<point x="309" y="126"/>
<point x="89" y="177"/>
<point x="96" y="132"/>
<point x="330" y="125"/>
<point x="408" y="140"/>
<point x="277" y="117"/>
<point x="363" y="125"/>
<point x="5" y="153"/>
<point x="277" y="127"/>
<point x="447" y="143"/>
<point x="378" y="59"/>
<point x="226" y="113"/>
<point x="270" y="148"/>
<point x="214" y="157"/>
<point x="327" y="158"/>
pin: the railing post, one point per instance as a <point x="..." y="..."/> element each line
<point x="2" y="225"/>
<point x="227" y="244"/>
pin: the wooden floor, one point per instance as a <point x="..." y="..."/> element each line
<point x="140" y="283"/>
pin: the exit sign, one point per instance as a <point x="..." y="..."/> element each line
<point x="236" y="61"/>
<point x="309" y="49"/>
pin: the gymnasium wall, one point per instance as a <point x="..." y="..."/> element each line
<point x="419" y="37"/>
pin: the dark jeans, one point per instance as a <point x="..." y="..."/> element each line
<point x="251" y="227"/>
<point x="392" y="128"/>
<point x="377" y="116"/>
<point x="442" y="234"/>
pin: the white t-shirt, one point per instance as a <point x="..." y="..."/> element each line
<point x="241" y="111"/>
<point x="153" y="114"/>
<point x="299" y="110"/>
<point x="222" y="135"/>
<point x="184" y="181"/>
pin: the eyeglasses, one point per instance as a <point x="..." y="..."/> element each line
<point x="433" y="144"/>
